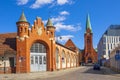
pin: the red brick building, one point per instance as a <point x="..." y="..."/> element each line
<point x="34" y="49"/>
<point x="89" y="53"/>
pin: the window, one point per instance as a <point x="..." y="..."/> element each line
<point x="36" y="59"/>
<point x="117" y="51"/>
<point x="40" y="59"/>
<point x="108" y="46"/>
<point x="20" y="29"/>
<point x="111" y="46"/>
<point x="68" y="58"/>
<point x="25" y="29"/>
<point x="104" y="40"/>
<point x="38" y="48"/>
<point x="88" y="40"/>
<point x="32" y="62"/>
<point x="63" y="56"/>
<point x="44" y="59"/>
<point x="57" y="55"/>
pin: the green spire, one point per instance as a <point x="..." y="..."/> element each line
<point x="22" y="17"/>
<point x="49" y="22"/>
<point x="88" y="24"/>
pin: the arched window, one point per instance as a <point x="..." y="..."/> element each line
<point x="72" y="58"/>
<point x="57" y="55"/>
<point x="75" y="59"/>
<point x="38" y="48"/>
<point x="68" y="58"/>
<point x="63" y="56"/>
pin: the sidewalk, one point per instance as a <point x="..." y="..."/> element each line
<point x="30" y="76"/>
<point x="108" y="71"/>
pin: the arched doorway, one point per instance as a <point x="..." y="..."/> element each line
<point x="38" y="57"/>
<point x="89" y="60"/>
<point x="57" y="59"/>
<point x="63" y="60"/>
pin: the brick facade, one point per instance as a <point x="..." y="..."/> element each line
<point x="89" y="53"/>
<point x="19" y="46"/>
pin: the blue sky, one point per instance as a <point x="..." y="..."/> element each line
<point x="68" y="16"/>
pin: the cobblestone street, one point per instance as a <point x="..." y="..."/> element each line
<point x="80" y="73"/>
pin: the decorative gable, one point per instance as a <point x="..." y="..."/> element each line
<point x="70" y="45"/>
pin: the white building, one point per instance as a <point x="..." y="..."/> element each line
<point x="115" y="59"/>
<point x="109" y="40"/>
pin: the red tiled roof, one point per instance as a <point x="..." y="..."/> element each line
<point x="8" y="43"/>
<point x="70" y="44"/>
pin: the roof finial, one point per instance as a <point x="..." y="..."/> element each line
<point x="49" y="22"/>
<point x="22" y="17"/>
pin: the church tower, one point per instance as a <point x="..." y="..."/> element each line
<point x="90" y="55"/>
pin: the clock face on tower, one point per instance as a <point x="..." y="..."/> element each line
<point x="39" y="31"/>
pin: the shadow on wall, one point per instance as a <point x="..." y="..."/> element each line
<point x="103" y="71"/>
<point x="11" y="42"/>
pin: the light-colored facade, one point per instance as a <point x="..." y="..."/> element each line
<point x="109" y="40"/>
<point x="115" y="59"/>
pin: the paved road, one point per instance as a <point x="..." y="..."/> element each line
<point x="86" y="73"/>
<point x="80" y="73"/>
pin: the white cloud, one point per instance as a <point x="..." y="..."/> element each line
<point x="64" y="13"/>
<point x="58" y="19"/>
<point x="22" y="2"/>
<point x="39" y="3"/>
<point x="62" y="2"/>
<point x="58" y="22"/>
<point x="63" y="38"/>
<point x="60" y="26"/>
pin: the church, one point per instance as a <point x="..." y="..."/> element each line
<point x="89" y="54"/>
<point x="34" y="49"/>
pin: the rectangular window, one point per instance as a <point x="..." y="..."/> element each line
<point x="40" y="59"/>
<point x="111" y="46"/>
<point x="117" y="52"/>
<point x="108" y="46"/>
<point x="36" y="59"/>
<point x="32" y="61"/>
<point x="44" y="60"/>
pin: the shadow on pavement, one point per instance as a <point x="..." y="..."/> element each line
<point x="90" y="70"/>
<point x="102" y="71"/>
<point x="108" y="71"/>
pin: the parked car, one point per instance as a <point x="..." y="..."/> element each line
<point x="96" y="66"/>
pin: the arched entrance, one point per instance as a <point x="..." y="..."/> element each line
<point x="57" y="59"/>
<point x="38" y="57"/>
<point x="89" y="60"/>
